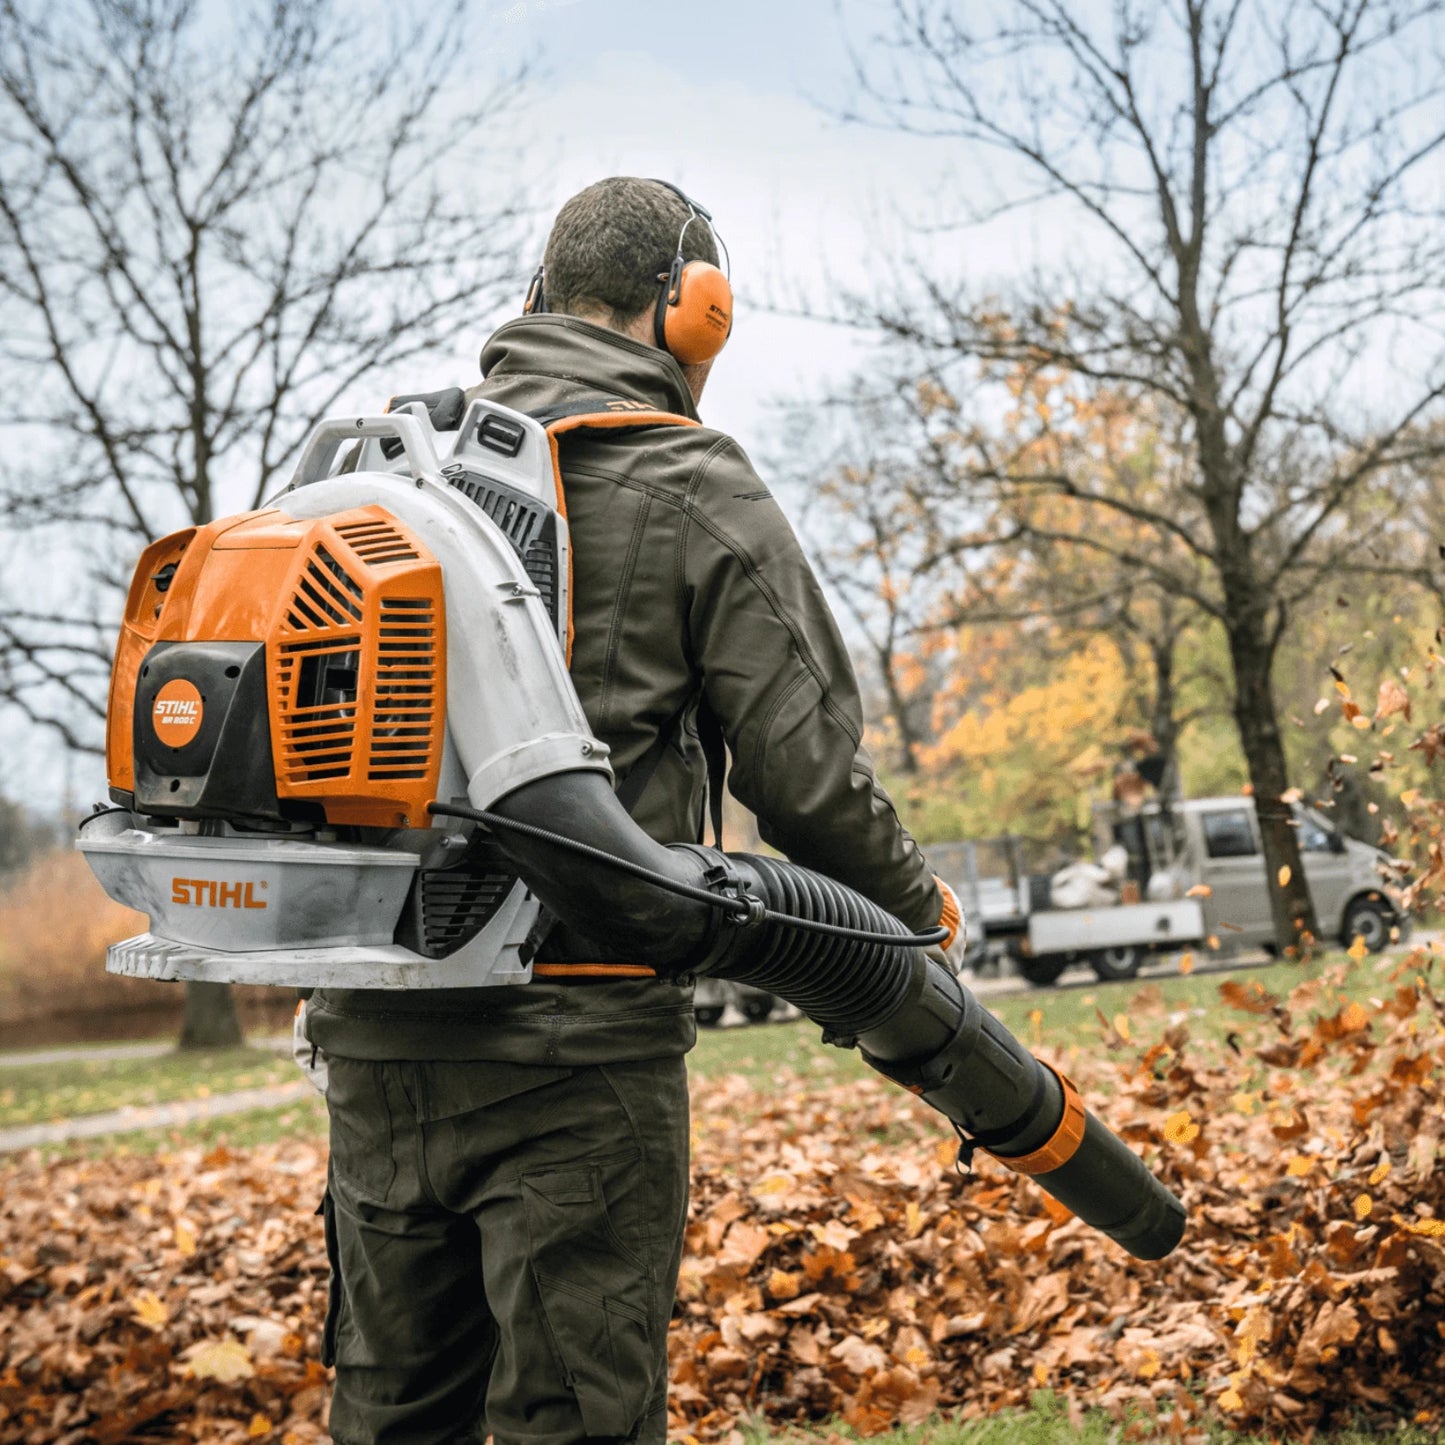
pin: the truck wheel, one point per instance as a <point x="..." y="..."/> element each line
<point x="709" y="1015"/>
<point x="1042" y="971"/>
<point x="757" y="1010"/>
<point x="1112" y="964"/>
<point x="1370" y="919"/>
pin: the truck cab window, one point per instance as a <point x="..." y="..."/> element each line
<point x="1228" y="835"/>
<point x="1314" y="837"/>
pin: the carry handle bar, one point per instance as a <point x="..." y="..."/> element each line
<point x="318" y="455"/>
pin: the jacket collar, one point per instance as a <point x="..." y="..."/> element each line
<point x="578" y="351"/>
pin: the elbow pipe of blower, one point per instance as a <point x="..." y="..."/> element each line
<point x="912" y="1020"/>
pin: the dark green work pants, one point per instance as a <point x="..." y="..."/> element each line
<point x="504" y="1243"/>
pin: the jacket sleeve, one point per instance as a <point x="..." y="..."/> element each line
<point x="778" y="676"/>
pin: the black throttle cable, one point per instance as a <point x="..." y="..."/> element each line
<point x="740" y="909"/>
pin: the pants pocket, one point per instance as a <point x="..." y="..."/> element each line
<point x="597" y="1294"/>
<point x="362" y="1156"/>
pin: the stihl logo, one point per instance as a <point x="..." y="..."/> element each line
<point x="177" y="713"/>
<point x="209" y="893"/>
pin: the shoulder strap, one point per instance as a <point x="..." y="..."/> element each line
<point x="617" y="413"/>
<point x="600" y="413"/>
<point x="636" y="413"/>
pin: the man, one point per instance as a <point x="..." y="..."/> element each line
<point x="509" y="1166"/>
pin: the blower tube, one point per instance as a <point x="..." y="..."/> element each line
<point x="911" y="1019"/>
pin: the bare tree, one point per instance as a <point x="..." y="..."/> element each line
<point x="1251" y="189"/>
<point x="216" y="223"/>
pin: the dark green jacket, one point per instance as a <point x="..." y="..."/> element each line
<point x="687" y="580"/>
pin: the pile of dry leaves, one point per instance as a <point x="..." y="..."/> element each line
<point x="838" y="1263"/>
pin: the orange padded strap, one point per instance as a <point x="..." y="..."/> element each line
<point x="592" y="970"/>
<point x="597" y="421"/>
<point x="1063" y="1143"/>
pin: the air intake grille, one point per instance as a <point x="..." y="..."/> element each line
<point x="406" y="690"/>
<point x="517" y="515"/>
<point x="456" y="905"/>
<point x="530" y="527"/>
<point x="326" y="595"/>
<point x="315" y="685"/>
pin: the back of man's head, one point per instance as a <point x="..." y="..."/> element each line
<point x="611" y="242"/>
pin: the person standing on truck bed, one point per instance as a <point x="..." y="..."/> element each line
<point x="509" y="1166"/>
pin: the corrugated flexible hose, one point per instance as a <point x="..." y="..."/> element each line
<point x="690" y="909"/>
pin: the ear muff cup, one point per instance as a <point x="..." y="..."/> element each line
<point x="696" y="313"/>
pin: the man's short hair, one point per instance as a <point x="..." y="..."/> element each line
<point x="610" y="243"/>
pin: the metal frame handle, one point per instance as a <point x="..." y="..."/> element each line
<point x="318" y="455"/>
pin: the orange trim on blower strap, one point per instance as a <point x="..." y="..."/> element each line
<point x="592" y="970"/>
<point x="597" y="421"/>
<point x="951" y="916"/>
<point x="1063" y="1143"/>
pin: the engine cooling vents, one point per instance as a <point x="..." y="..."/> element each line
<point x="358" y="687"/>
<point x="449" y="906"/>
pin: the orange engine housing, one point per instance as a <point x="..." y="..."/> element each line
<point x="350" y="613"/>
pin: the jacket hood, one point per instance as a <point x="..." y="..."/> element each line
<point x="593" y="357"/>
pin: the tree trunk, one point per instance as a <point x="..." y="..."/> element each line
<point x="1163" y="726"/>
<point x="908" y="739"/>
<point x="1295" y="928"/>
<point x="211" y="1021"/>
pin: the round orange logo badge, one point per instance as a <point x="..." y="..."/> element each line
<point x="177" y="714"/>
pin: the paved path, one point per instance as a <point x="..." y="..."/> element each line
<point x="154" y="1116"/>
<point x="100" y="1053"/>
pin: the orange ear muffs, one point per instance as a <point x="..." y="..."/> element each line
<point x="694" y="311"/>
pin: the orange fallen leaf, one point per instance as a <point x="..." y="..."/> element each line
<point x="1180" y="1128"/>
<point x="223" y="1360"/>
<point x="150" y="1309"/>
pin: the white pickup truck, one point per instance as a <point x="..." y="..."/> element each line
<point x="1209" y="848"/>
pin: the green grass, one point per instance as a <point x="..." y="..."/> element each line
<point x="39" y="1093"/>
<point x="761" y="1053"/>
<point x="303" y="1118"/>
<point x="1047" y="1423"/>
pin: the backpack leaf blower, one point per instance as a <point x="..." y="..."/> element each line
<point x="344" y="750"/>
